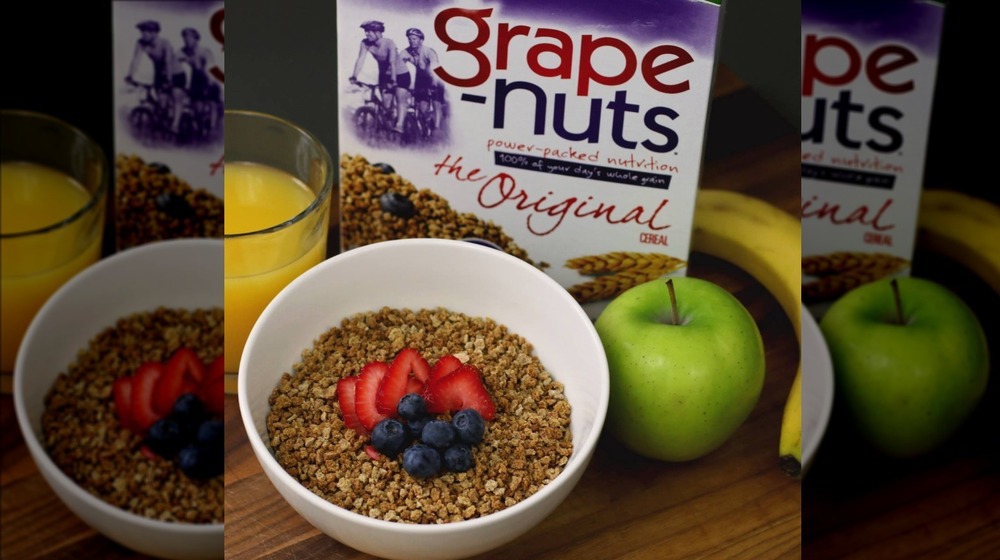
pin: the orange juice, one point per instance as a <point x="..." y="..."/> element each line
<point x="259" y="265"/>
<point x="33" y="266"/>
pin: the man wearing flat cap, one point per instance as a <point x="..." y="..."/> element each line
<point x="168" y="75"/>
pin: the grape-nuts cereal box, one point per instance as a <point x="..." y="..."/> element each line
<point x="568" y="136"/>
<point x="168" y="84"/>
<point x="868" y="73"/>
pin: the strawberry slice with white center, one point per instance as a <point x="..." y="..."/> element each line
<point x="346" y="397"/>
<point x="408" y="364"/>
<point x="366" y="394"/>
<point x="122" y="390"/>
<point x="144" y="380"/>
<point x="182" y="373"/>
<point x="444" y="366"/>
<point x="458" y="390"/>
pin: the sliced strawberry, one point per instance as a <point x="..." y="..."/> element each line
<point x="460" y="389"/>
<point x="408" y="364"/>
<point x="149" y="453"/>
<point x="414" y="385"/>
<point x="212" y="394"/>
<point x="372" y="452"/>
<point x="216" y="369"/>
<point x="345" y="396"/>
<point x="122" y="390"/>
<point x="444" y="366"/>
<point x="143" y="388"/>
<point x="366" y="394"/>
<point x="182" y="373"/>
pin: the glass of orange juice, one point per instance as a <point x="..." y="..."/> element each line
<point x="278" y="183"/>
<point x="53" y="186"/>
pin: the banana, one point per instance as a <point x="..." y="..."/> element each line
<point x="963" y="227"/>
<point x="766" y="242"/>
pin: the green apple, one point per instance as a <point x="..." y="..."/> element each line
<point x="680" y="388"/>
<point x="910" y="366"/>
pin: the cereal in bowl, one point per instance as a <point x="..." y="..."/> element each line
<point x="426" y="416"/>
<point x="136" y="419"/>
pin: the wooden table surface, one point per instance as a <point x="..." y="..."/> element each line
<point x="733" y="503"/>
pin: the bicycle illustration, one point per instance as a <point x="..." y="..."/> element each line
<point x="375" y="123"/>
<point x="151" y="121"/>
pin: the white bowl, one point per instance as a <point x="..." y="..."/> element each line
<point x="179" y="273"/>
<point x="817" y="388"/>
<point x="416" y="274"/>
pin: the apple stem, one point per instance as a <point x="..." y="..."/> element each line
<point x="899" y="302"/>
<point x="673" y="301"/>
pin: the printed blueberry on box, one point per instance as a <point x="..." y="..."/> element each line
<point x="168" y="95"/>
<point x="868" y="74"/>
<point x="572" y="139"/>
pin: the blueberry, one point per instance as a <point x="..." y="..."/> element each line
<point x="397" y="205"/>
<point x="201" y="462"/>
<point x="412" y="406"/>
<point x="421" y="461"/>
<point x="438" y="433"/>
<point x="211" y="432"/>
<point x="416" y="426"/>
<point x="165" y="438"/>
<point x="458" y="458"/>
<point x="469" y="426"/>
<point x="188" y="408"/>
<point x="384" y="168"/>
<point x="173" y="204"/>
<point x="389" y="437"/>
<point x="158" y="167"/>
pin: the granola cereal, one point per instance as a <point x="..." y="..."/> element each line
<point x="526" y="446"/>
<point x="377" y="204"/>
<point x="152" y="204"/>
<point x="84" y="438"/>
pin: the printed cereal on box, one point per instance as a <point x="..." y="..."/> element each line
<point x="570" y="138"/>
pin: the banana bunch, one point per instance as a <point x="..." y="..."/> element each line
<point x="766" y="242"/>
<point x="964" y="228"/>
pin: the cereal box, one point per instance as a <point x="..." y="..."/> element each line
<point x="168" y="97"/>
<point x="570" y="138"/>
<point x="868" y="73"/>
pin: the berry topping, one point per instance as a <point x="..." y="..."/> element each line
<point x="460" y="389"/>
<point x="181" y="374"/>
<point x="188" y="409"/>
<point x="158" y="167"/>
<point x="345" y="396"/>
<point x="143" y="388"/>
<point x="469" y="426"/>
<point x="407" y="365"/>
<point x="458" y="458"/>
<point x="366" y="394"/>
<point x="211" y="432"/>
<point x="165" y="437"/>
<point x="412" y="407"/>
<point x="444" y="366"/>
<point x="389" y="437"/>
<point x="438" y="433"/>
<point x="122" y="390"/>
<point x="213" y="393"/>
<point x="421" y="461"/>
<point x="397" y="205"/>
<point x="394" y="403"/>
<point x="201" y="461"/>
<point x="176" y="408"/>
